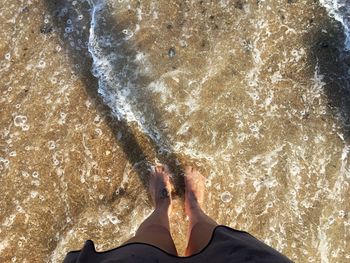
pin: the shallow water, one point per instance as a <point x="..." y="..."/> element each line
<point x="255" y="93"/>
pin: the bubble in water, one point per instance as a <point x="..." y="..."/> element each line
<point x="42" y="64"/>
<point x="226" y="197"/>
<point x="172" y="52"/>
<point x="341" y="213"/>
<point x="128" y="33"/>
<point x="35" y="174"/>
<point x="97" y="119"/>
<point x="52" y="145"/>
<point x="241" y="137"/>
<point x="251" y="83"/>
<point x="46" y="21"/>
<point x="80" y="17"/>
<point x="114" y="220"/>
<point x="208" y="183"/>
<point x="254" y="127"/>
<point x="295" y="169"/>
<point x="64" y="11"/>
<point x="98" y="131"/>
<point x="5" y="161"/>
<point x="311" y="259"/>
<point x="20" y="120"/>
<point x="183" y="43"/>
<point x="69" y="21"/>
<point x="103" y="221"/>
<point x="119" y="191"/>
<point x="33" y="194"/>
<point x="13" y="153"/>
<point x="227" y="157"/>
<point x="25" y="174"/>
<point x="7" y="56"/>
<point x="53" y="80"/>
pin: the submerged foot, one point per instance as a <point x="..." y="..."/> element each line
<point x="194" y="189"/>
<point x="160" y="187"/>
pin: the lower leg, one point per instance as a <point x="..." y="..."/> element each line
<point x="201" y="226"/>
<point x="200" y="231"/>
<point x="155" y="229"/>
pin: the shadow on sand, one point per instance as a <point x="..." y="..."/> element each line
<point x="75" y="43"/>
<point x="326" y="49"/>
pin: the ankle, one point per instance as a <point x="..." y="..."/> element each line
<point x="194" y="212"/>
<point x="193" y="202"/>
<point x="194" y="207"/>
<point x="163" y="206"/>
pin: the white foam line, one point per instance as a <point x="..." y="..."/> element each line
<point x="118" y="101"/>
<point x="4" y="244"/>
<point x="340" y="11"/>
<point x="323" y="244"/>
<point x="118" y="95"/>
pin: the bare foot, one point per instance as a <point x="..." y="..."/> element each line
<point x="160" y="187"/>
<point x="194" y="193"/>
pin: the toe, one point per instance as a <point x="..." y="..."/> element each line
<point x="159" y="168"/>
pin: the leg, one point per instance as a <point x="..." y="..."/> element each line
<point x="155" y="229"/>
<point x="201" y="226"/>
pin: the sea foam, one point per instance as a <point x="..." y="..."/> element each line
<point x="340" y="11"/>
<point x="120" y="95"/>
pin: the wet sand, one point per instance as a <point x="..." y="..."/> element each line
<point x="255" y="93"/>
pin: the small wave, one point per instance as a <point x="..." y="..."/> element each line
<point x="121" y="94"/>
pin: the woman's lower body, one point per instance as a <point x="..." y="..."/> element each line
<point x="206" y="240"/>
<point x="155" y="230"/>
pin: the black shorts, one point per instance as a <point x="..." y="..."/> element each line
<point x="226" y="245"/>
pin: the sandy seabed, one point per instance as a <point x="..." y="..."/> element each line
<point x="255" y="93"/>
